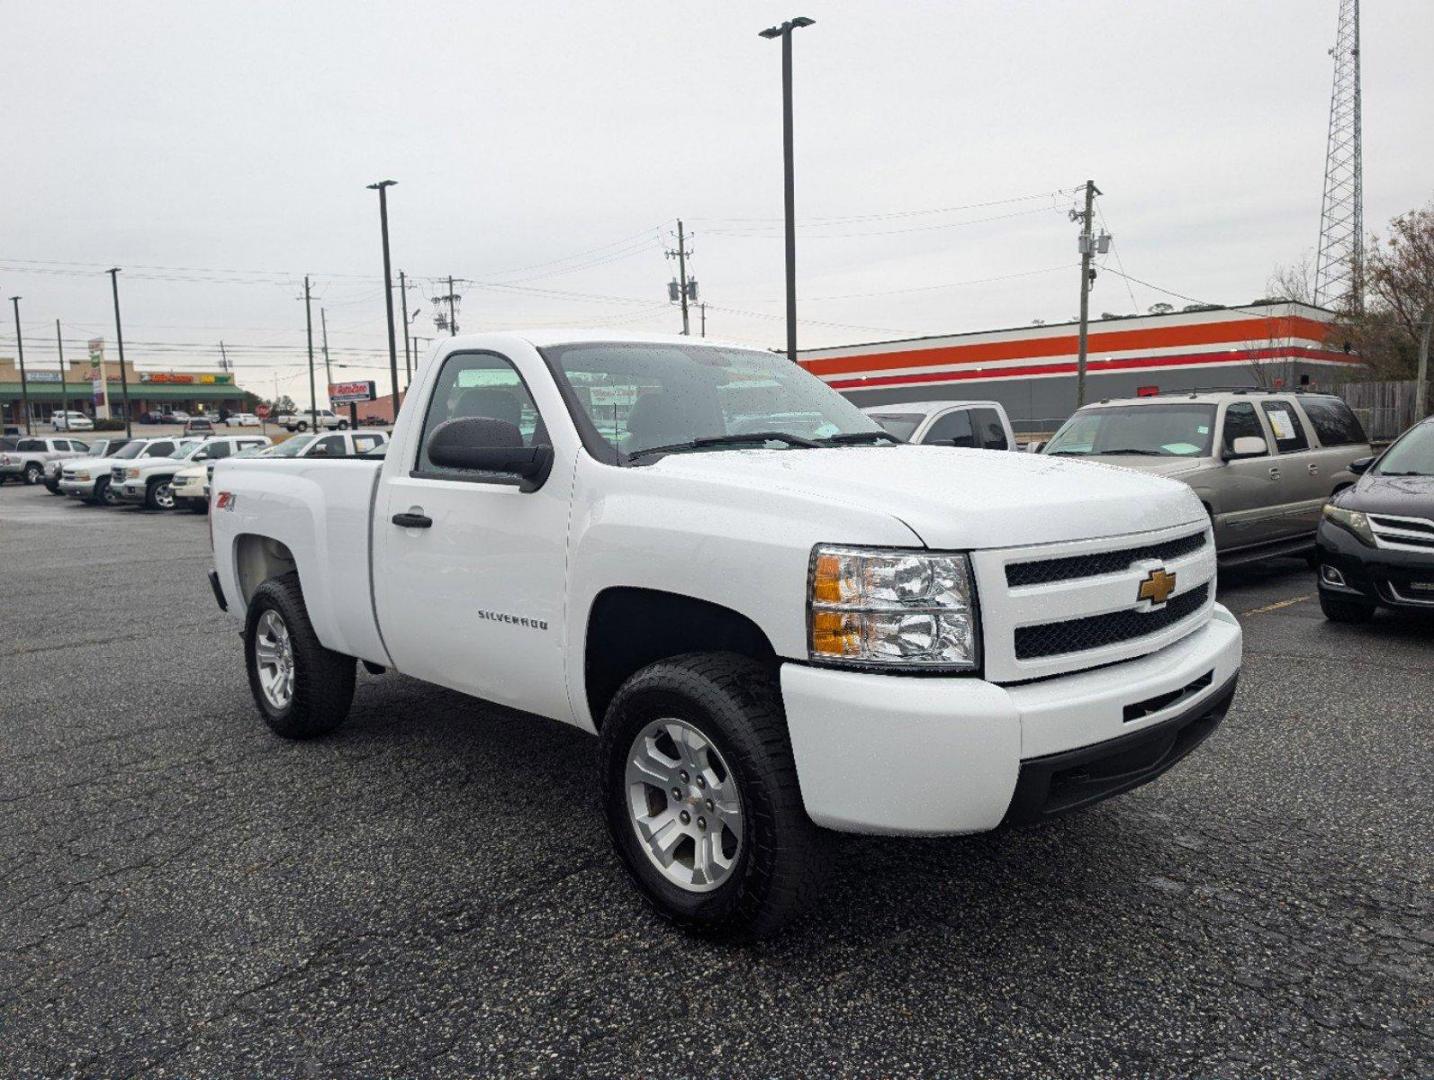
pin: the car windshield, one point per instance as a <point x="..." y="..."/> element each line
<point x="1411" y="455"/>
<point x="642" y="397"/>
<point x="291" y="447"/>
<point x="1174" y="430"/>
<point x="902" y="425"/>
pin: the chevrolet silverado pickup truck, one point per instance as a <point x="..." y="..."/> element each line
<point x="772" y="632"/>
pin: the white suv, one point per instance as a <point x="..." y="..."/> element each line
<point x="148" y="483"/>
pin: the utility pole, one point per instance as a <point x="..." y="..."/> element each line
<point x="309" y="327"/>
<point x="328" y="371"/>
<point x="407" y="355"/>
<point x="452" y="310"/>
<point x="20" y="348"/>
<point x="119" y="340"/>
<point x="684" y="291"/>
<point x="788" y="166"/>
<point x="703" y="308"/>
<point x="382" y="188"/>
<point x="223" y="357"/>
<point x="64" y="386"/>
<point x="1088" y="245"/>
<point x="1421" y="384"/>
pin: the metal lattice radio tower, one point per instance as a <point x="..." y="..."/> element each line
<point x="1339" y="266"/>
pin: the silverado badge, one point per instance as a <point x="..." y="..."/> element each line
<point x="1156" y="587"/>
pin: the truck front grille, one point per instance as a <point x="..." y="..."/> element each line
<point x="1095" y="631"/>
<point x="1044" y="571"/>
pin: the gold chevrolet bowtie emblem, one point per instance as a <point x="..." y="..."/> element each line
<point x="1157" y="587"/>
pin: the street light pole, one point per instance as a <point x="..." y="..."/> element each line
<point x="119" y="340"/>
<point x="407" y="356"/>
<point x="64" y="386"/>
<point x="785" y="33"/>
<point x="382" y="188"/>
<point x="20" y="348"/>
<point x="309" y="331"/>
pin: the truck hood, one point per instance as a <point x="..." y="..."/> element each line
<point x="1151" y="466"/>
<point x="958" y="498"/>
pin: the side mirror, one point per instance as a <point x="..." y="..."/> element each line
<point x="486" y="445"/>
<point x="1247" y="446"/>
<point x="1360" y="466"/>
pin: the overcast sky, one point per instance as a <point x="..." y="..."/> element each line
<point x="544" y="152"/>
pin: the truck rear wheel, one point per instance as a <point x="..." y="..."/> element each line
<point x="302" y="689"/>
<point x="33" y="473"/>
<point x="701" y="796"/>
<point x="159" y="495"/>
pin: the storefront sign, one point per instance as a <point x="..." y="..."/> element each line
<point x="175" y="378"/>
<point x="42" y="376"/>
<point x="343" y="393"/>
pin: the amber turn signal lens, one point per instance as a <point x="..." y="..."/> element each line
<point x="826" y="581"/>
<point x="835" y="633"/>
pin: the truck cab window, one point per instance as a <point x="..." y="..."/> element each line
<point x="988" y="429"/>
<point x="953" y="429"/>
<point x="1240" y="423"/>
<point x="481" y="386"/>
<point x="329" y="446"/>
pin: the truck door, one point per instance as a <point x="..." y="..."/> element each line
<point x="1304" y="487"/>
<point x="469" y="571"/>
<point x="1251" y="489"/>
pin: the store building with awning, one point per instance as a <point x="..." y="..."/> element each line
<point x="98" y="390"/>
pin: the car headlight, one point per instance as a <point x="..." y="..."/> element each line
<point x="1352" y="520"/>
<point x="131" y="474"/>
<point x="892" y="608"/>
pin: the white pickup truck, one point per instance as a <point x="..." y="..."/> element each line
<point x="773" y="633"/>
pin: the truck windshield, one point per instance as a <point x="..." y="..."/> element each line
<point x="129" y="450"/>
<point x="1174" y="430"/>
<point x="899" y="424"/>
<point x="639" y="397"/>
<point x="291" y="447"/>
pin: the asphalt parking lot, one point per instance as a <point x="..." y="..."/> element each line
<point x="430" y="891"/>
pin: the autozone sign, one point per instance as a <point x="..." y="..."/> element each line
<point x="343" y="393"/>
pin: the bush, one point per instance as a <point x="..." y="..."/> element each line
<point x="109" y="425"/>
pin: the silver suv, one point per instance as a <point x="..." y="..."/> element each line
<point x="1262" y="461"/>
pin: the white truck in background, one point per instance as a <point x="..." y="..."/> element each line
<point x="775" y="628"/>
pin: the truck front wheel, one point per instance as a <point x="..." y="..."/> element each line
<point x="302" y="689"/>
<point x="701" y="796"/>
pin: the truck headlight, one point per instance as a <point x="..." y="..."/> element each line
<point x="131" y="474"/>
<point x="82" y="476"/>
<point x="892" y="608"/>
<point x="1352" y="520"/>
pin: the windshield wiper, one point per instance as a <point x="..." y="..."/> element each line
<point x="1403" y="474"/>
<point x="1132" y="450"/>
<point x="724" y="440"/>
<point x="853" y="438"/>
<point x="1065" y="453"/>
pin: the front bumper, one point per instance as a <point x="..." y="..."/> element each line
<point x="1385" y="576"/>
<point x="191" y="491"/>
<point x="79" y="488"/>
<point x="131" y="491"/>
<point x="929" y="755"/>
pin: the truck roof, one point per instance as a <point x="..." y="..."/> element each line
<point x="545" y="338"/>
<point x="926" y="408"/>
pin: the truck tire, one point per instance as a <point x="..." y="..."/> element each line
<point x="302" y="425"/>
<point x="1338" y="609"/>
<point x="53" y="486"/>
<point x="303" y="690"/>
<point x="700" y="794"/>
<point x="343" y="425"/>
<point x="33" y="473"/>
<point x="103" y="494"/>
<point x="159" y="495"/>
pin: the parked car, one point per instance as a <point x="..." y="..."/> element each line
<point x="89" y="478"/>
<point x="376" y="421"/>
<point x="148" y="483"/>
<point x="1376" y="539"/>
<point x="772" y="633"/>
<point x="1262" y="462"/>
<point x="980" y="424"/>
<point x="337" y="444"/>
<point x="54" y="468"/>
<point x="199" y="425"/>
<point x="69" y="420"/>
<point x="190" y="485"/>
<point x="27" y="461"/>
<point x="300" y="421"/>
<point x="241" y="419"/>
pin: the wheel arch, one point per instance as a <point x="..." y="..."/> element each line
<point x="629" y="628"/>
<point x="257" y="559"/>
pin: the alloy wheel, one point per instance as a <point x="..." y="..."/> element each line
<point x="274" y="658"/>
<point x="684" y="805"/>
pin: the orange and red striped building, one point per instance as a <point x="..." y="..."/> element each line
<point x="1031" y="370"/>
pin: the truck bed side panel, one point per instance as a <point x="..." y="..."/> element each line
<point x="320" y="511"/>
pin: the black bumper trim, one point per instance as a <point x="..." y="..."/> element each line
<point x="218" y="592"/>
<point x="1059" y="783"/>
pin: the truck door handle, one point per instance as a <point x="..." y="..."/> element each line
<point x="413" y="521"/>
<point x="1314" y="469"/>
<point x="1274" y="472"/>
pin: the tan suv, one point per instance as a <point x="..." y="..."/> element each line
<point x="1263" y="462"/>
